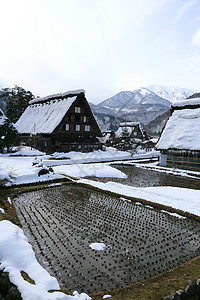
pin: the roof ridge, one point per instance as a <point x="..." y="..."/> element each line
<point x="57" y="96"/>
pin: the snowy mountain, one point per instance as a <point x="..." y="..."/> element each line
<point x="171" y="93"/>
<point x="129" y="99"/>
<point x="141" y="105"/>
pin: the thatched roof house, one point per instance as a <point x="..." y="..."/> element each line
<point x="60" y="122"/>
<point x="131" y="129"/>
<point x="180" y="140"/>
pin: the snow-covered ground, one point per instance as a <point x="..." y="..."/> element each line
<point x="17" y="255"/>
<point x="19" y="170"/>
<point x="72" y="164"/>
<point x="111" y="154"/>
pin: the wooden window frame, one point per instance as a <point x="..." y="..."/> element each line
<point x="87" y="128"/>
<point x="77" y="109"/>
<point x="77" y="127"/>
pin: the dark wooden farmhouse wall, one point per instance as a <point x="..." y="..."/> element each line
<point x="181" y="159"/>
<point x="137" y="133"/>
<point x="78" y="131"/>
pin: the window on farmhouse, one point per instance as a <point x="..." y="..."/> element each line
<point x="135" y="133"/>
<point x="77" y="109"/>
<point x="87" y="127"/>
<point x="84" y="119"/>
<point x="67" y="127"/>
<point x="77" y="127"/>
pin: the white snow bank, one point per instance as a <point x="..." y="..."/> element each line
<point x="95" y="170"/>
<point x="27" y="151"/>
<point x="111" y="154"/>
<point x="17" y="255"/>
<point x="2" y="210"/>
<point x="5" y="176"/>
<point x="97" y="246"/>
<point x="178" y="198"/>
<point x="22" y="170"/>
<point x="20" y="167"/>
<point x="95" y="156"/>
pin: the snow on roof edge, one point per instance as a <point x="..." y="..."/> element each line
<point x="59" y="95"/>
<point x="186" y="102"/>
<point x="127" y="124"/>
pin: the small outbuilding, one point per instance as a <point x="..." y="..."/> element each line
<point x="60" y="123"/>
<point x="179" y="142"/>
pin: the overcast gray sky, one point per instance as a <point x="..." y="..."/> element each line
<point x="102" y="46"/>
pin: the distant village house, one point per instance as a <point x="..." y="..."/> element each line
<point x="60" y="123"/>
<point x="128" y="135"/>
<point x="179" y="143"/>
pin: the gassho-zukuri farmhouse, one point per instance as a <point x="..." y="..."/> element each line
<point x="180" y="140"/>
<point x="60" y="122"/>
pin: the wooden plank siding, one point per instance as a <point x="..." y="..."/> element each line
<point x="183" y="159"/>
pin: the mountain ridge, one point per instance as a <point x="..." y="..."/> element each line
<point x="142" y="105"/>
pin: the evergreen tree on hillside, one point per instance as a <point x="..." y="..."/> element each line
<point x="16" y="100"/>
<point x="9" y="136"/>
<point x="196" y="95"/>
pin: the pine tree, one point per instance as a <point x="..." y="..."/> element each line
<point x="196" y="95"/>
<point x="17" y="100"/>
<point x="9" y="136"/>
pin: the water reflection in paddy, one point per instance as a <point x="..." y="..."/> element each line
<point x="61" y="223"/>
<point x="139" y="177"/>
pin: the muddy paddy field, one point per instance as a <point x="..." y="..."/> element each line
<point x="140" y="242"/>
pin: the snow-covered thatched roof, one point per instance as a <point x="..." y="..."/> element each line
<point x="58" y="96"/>
<point x="183" y="127"/>
<point x="2" y="117"/>
<point x="128" y="127"/>
<point x="43" y="115"/>
<point x="128" y="124"/>
<point x="187" y="102"/>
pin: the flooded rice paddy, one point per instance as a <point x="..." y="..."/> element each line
<point x="139" y="177"/>
<point x="62" y="221"/>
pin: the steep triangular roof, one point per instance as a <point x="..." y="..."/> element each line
<point x="43" y="115"/>
<point x="182" y="130"/>
<point x="129" y="127"/>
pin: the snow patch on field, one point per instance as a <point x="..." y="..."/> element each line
<point x="12" y="238"/>
<point x="97" y="246"/>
